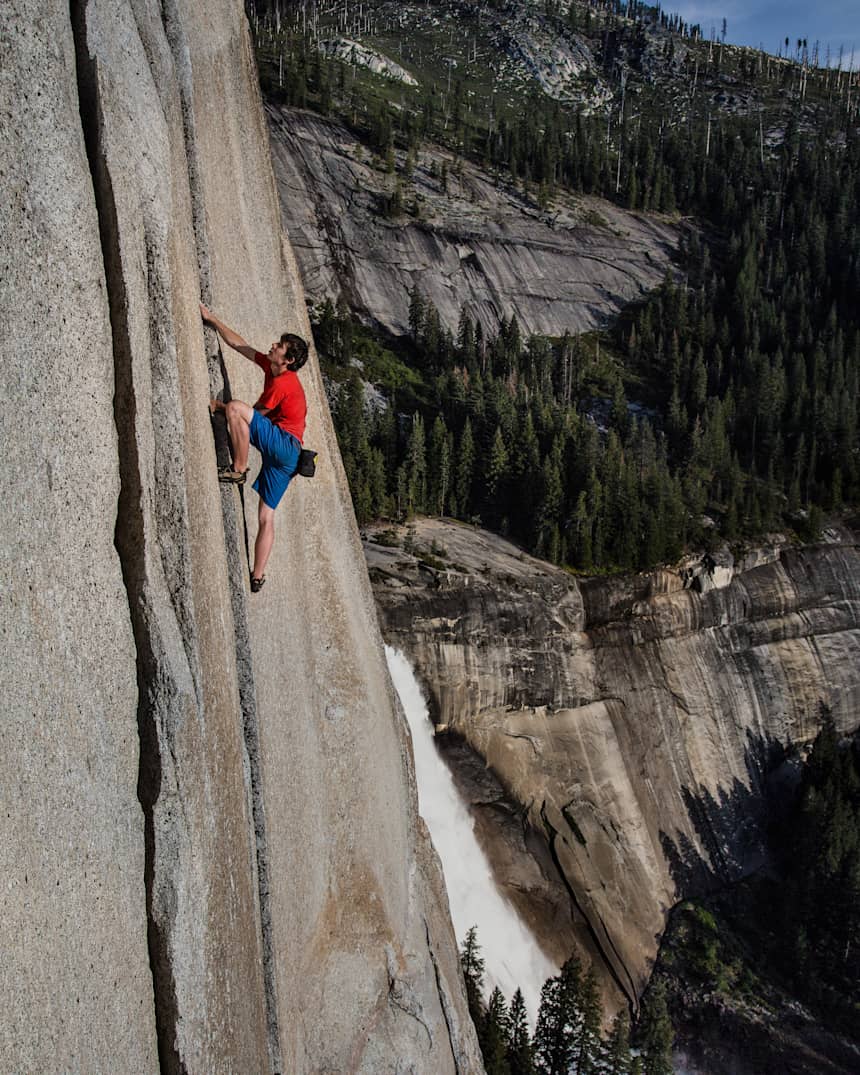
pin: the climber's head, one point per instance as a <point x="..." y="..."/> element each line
<point x="290" y="352"/>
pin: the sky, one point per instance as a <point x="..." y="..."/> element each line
<point x="769" y="22"/>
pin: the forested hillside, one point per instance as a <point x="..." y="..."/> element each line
<point x="724" y="406"/>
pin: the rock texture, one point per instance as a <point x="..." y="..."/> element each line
<point x="76" y="987"/>
<point x="352" y="52"/>
<point x="632" y="724"/>
<point x="481" y="246"/>
<point x="211" y="851"/>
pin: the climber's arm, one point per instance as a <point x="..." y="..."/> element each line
<point x="231" y="338"/>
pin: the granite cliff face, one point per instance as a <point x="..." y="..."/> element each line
<point x="624" y="731"/>
<point x="211" y="854"/>
<point x="478" y="245"/>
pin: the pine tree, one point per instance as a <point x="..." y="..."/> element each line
<point x="495" y="476"/>
<point x="401" y="492"/>
<point x="326" y="331"/>
<point x="385" y="438"/>
<point x="377" y="484"/>
<point x="559" y="1020"/>
<point x="439" y="467"/>
<point x="465" y="469"/>
<point x="655" y="1031"/>
<point x="432" y="337"/>
<point x="416" y="313"/>
<point x="466" y="338"/>
<point x="654" y="540"/>
<point x="620" y="415"/>
<point x="493" y="1035"/>
<point x="344" y="330"/>
<point x="349" y="414"/>
<point x="616" y="1048"/>
<point x="550" y="503"/>
<point x="526" y="466"/>
<point x="362" y="498"/>
<point x="520" y="1058"/>
<point x="472" y="964"/>
<point x="475" y="402"/>
<point x="588" y="1044"/>
<point x="581" y="554"/>
<point x="416" y="467"/>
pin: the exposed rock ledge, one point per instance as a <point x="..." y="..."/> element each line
<point x="480" y="245"/>
<point x="628" y="724"/>
<point x="352" y="52"/>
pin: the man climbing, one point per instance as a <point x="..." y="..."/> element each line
<point x="275" y="425"/>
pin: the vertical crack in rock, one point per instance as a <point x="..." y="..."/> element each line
<point x="628" y="990"/>
<point x="402" y="996"/>
<point x="443" y="1000"/>
<point x="129" y="539"/>
<point x="236" y="566"/>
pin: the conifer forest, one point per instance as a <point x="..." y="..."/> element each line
<point x="721" y="407"/>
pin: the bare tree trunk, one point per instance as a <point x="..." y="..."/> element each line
<point x="621" y="134"/>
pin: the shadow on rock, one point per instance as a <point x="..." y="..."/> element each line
<point x="731" y="827"/>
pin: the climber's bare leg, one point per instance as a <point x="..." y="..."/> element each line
<point x="265" y="538"/>
<point x="239" y="417"/>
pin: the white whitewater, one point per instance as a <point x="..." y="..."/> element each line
<point x="511" y="955"/>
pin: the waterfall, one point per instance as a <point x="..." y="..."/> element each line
<point x="511" y="955"/>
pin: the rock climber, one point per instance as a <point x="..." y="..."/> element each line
<point x="275" y="425"/>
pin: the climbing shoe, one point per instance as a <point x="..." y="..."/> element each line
<point x="232" y="477"/>
<point x="257" y="584"/>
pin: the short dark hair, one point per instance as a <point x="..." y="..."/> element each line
<point x="298" y="349"/>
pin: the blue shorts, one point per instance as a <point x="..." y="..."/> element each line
<point x="280" y="452"/>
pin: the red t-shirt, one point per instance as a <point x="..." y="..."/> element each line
<point x="283" y="399"/>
